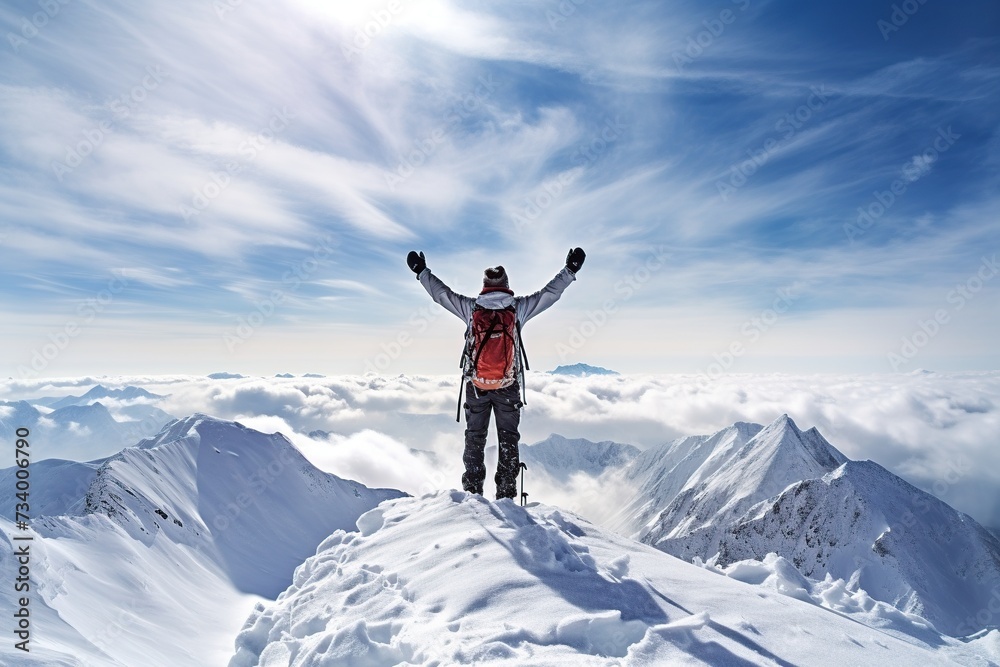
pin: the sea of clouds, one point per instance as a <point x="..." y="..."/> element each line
<point x="938" y="431"/>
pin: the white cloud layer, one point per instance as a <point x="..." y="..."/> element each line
<point x="937" y="430"/>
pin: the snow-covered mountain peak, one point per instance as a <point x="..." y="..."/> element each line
<point x="562" y="457"/>
<point x="748" y="491"/>
<point x="181" y="533"/>
<point x="865" y="525"/>
<point x="219" y="435"/>
<point x="748" y="429"/>
<point x="782" y="438"/>
<point x="697" y="506"/>
<point x="203" y="478"/>
<point x="186" y="428"/>
<point x="129" y="393"/>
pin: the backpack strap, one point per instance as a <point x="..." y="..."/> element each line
<point x="462" y="364"/>
<point x="524" y="355"/>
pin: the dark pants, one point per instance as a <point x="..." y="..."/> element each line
<point x="506" y="403"/>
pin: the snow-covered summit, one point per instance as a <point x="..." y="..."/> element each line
<point x="456" y="579"/>
<point x="734" y="473"/>
<point x="203" y="476"/>
<point x="867" y="526"/>
<point x="748" y="490"/>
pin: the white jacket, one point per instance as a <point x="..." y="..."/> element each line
<point x="526" y="307"/>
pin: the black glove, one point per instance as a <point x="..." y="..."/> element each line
<point x="574" y="260"/>
<point x="416" y="262"/>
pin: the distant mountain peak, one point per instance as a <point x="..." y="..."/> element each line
<point x="99" y="391"/>
<point x="561" y="457"/>
<point x="199" y="424"/>
<point x="582" y="370"/>
<point x="785" y="435"/>
<point x="202" y="475"/>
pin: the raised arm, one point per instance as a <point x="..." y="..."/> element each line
<point x="532" y="304"/>
<point x="457" y="304"/>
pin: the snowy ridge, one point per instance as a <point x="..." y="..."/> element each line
<point x="184" y="482"/>
<point x="58" y="487"/>
<point x="661" y="473"/>
<point x="749" y="491"/>
<point x="562" y="457"/>
<point x="177" y="538"/>
<point x="453" y="578"/>
<point x="733" y="478"/>
<point x="863" y="524"/>
<point x="777" y="573"/>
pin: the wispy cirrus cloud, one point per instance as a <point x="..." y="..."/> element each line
<point x="221" y="145"/>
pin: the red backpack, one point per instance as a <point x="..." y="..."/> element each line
<point x="492" y="348"/>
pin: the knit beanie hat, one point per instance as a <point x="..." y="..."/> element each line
<point x="495" y="277"/>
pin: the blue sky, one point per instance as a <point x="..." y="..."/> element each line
<point x="199" y="186"/>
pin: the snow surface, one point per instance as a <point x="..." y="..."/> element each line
<point x="57" y="487"/>
<point x="172" y="543"/>
<point x="453" y="578"/>
<point x="863" y="524"/>
<point x="748" y="491"/>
